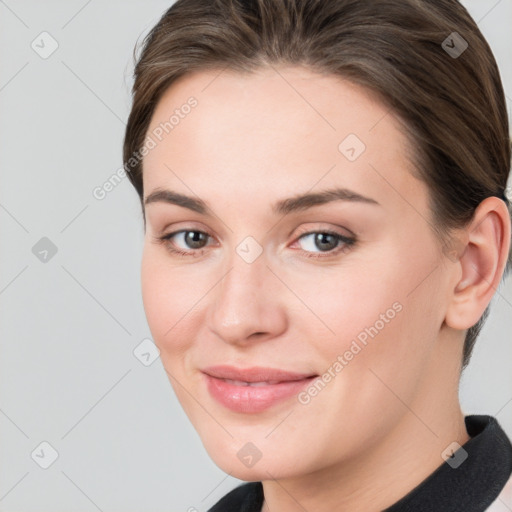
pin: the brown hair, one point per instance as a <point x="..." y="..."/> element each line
<point x="453" y="105"/>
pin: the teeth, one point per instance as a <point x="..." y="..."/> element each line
<point x="253" y="384"/>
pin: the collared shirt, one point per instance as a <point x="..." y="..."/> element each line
<point x="476" y="478"/>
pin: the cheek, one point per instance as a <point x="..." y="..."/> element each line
<point x="168" y="304"/>
<point x="167" y="300"/>
<point x="384" y="333"/>
<point x="381" y="313"/>
<point x="344" y="302"/>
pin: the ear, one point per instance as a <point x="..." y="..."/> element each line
<point x="481" y="262"/>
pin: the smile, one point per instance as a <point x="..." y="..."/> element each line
<point x="256" y="391"/>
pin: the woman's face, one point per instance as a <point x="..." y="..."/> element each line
<point x="259" y="285"/>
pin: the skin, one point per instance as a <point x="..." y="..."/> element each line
<point x="378" y="428"/>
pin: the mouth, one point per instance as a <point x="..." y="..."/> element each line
<point x="254" y="374"/>
<point x="255" y="389"/>
<point x="253" y="384"/>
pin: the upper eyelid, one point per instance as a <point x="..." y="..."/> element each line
<point x="303" y="230"/>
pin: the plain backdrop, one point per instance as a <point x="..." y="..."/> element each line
<point x="70" y="299"/>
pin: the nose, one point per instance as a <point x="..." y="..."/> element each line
<point x="247" y="303"/>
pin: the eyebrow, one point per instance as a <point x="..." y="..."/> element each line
<point x="282" y="207"/>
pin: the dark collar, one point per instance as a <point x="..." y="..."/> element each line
<point x="470" y="486"/>
<point x="475" y="483"/>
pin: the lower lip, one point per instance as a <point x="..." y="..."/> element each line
<point x="252" y="399"/>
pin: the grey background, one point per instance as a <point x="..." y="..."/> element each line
<point x="69" y="326"/>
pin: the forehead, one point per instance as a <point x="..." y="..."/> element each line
<point x="289" y="127"/>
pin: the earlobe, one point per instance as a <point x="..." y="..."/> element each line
<point x="482" y="262"/>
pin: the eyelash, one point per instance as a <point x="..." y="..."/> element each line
<point x="347" y="242"/>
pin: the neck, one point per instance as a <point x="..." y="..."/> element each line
<point x="406" y="456"/>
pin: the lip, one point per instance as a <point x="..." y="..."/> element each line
<point x="238" y="397"/>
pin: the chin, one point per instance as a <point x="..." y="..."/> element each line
<point x="243" y="460"/>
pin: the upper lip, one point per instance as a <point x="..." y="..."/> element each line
<point x="254" y="374"/>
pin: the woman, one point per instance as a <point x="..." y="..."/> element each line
<point x="341" y="167"/>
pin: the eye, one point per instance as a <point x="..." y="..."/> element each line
<point x="329" y="242"/>
<point x="196" y="241"/>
